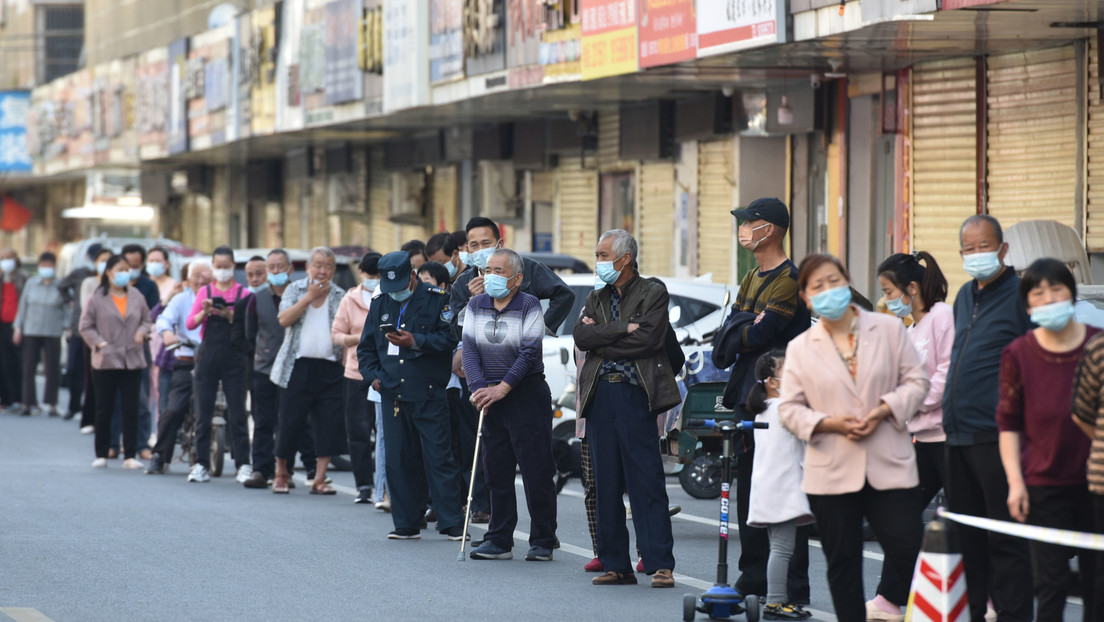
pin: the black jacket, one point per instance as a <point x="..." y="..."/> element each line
<point x="539" y="281"/>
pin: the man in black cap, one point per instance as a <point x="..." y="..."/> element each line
<point x="405" y="354"/>
<point x="767" y="314"/>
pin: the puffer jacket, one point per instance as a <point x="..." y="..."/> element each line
<point x="643" y="302"/>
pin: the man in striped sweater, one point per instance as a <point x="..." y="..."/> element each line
<point x="503" y="361"/>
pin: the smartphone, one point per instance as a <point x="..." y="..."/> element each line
<point x="388" y="328"/>
<point x="218" y="302"/>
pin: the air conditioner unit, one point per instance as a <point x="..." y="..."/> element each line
<point x="503" y="197"/>
<point x="408" y="198"/>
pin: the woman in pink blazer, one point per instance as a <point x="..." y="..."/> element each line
<point x="851" y="383"/>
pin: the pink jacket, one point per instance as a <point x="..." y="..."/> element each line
<point x="816" y="384"/>
<point x="933" y="337"/>
<point x="349" y="320"/>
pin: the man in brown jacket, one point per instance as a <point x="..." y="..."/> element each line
<point x="625" y="381"/>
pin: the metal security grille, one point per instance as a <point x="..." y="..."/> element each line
<point x="716" y="172"/>
<point x="578" y="209"/>
<point x="657" y="217"/>
<point x="944" y="159"/>
<point x="1094" y="215"/>
<point x="62" y="29"/>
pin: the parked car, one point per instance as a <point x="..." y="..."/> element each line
<point x="695" y="312"/>
<point x="74" y="254"/>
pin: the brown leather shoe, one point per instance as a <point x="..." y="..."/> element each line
<point x="480" y="517"/>
<point x="616" y="578"/>
<point x="663" y="578"/>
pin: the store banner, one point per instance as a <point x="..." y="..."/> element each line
<point x="668" y="32"/>
<point x="446" y="40"/>
<point x="524" y="28"/>
<point x="265" y="48"/>
<point x="241" y="79"/>
<point x="344" y="80"/>
<point x="560" y="54"/>
<point x="15" y="156"/>
<point x="178" y="104"/>
<point x="609" y="38"/>
<point x="484" y="36"/>
<point x="113" y="127"/>
<point x="207" y="86"/>
<point x="735" y="25"/>
<point x="949" y="5"/>
<point x="405" y="55"/>
<point x="152" y="103"/>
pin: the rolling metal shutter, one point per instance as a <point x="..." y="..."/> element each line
<point x="1032" y="136"/>
<point x="1094" y="215"/>
<point x="657" y="217"/>
<point x="944" y="159"/>
<point x="609" y="142"/>
<point x="444" y="199"/>
<point x="577" y="208"/>
<point x="716" y="180"/>
<point x="381" y="232"/>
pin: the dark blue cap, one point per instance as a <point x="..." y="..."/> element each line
<point x="769" y="209"/>
<point x="394" y="271"/>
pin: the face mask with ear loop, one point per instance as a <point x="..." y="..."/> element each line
<point x="748" y="244"/>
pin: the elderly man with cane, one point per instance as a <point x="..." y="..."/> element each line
<point x="503" y="341"/>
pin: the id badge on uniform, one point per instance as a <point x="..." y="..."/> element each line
<point x="392" y="349"/>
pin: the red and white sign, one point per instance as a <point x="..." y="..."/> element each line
<point x="667" y="31"/>
<point x="730" y="25"/>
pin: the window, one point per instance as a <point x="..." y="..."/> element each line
<point x="61" y="29"/>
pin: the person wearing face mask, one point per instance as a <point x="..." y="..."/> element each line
<point x="38" y="326"/>
<point x="157" y="266"/>
<point x="435" y="274"/>
<point x="11" y="356"/>
<point x="116" y="326"/>
<point x="87" y="288"/>
<point x="850" y="384"/>
<point x="988" y="316"/>
<point x="503" y="337"/>
<point x="766" y="315"/>
<point x="360" y="414"/>
<point x="218" y="361"/>
<point x="70" y="287"/>
<point x="449" y="250"/>
<point x="915" y="287"/>
<point x="1045" y="456"/>
<point x="404" y="354"/>
<point x="135" y="256"/>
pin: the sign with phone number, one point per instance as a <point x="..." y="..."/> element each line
<point x="609" y="38"/>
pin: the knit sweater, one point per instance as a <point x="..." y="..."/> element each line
<point x="1088" y="406"/>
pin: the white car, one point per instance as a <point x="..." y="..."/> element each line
<point x="695" y="313"/>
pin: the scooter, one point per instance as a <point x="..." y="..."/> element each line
<point x="721" y="600"/>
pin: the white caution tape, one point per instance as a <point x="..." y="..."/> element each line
<point x="1064" y="537"/>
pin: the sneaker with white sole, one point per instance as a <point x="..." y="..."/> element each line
<point x="99" y="463"/>
<point x="244" y="473"/>
<point x="132" y="464"/>
<point x="199" y="474"/>
<point x="88" y="429"/>
<point x="874" y="612"/>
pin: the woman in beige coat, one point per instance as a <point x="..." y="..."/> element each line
<point x="851" y="383"/>
<point x="116" y="324"/>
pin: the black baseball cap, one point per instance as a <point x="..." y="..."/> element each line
<point x="394" y="271"/>
<point x="771" y="210"/>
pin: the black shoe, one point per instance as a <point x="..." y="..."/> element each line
<point x="68" y="416"/>
<point x="455" y="533"/>
<point x="431" y="515"/>
<point x="405" y="534"/>
<point x="363" y="496"/>
<point x="785" y="612"/>
<point x="257" y="480"/>
<point x="156" y="465"/>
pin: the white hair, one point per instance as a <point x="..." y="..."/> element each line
<point x="512" y="259"/>
<point x="325" y="251"/>
<point x="623" y="242"/>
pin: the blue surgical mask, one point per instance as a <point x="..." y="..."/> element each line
<point x="7" y="265"/>
<point x="46" y="273"/>
<point x="278" y="280"/>
<point x="598" y="283"/>
<point x="402" y="295"/>
<point x="479" y="258"/>
<point x="155" y="269"/>
<point x="451" y="267"/>
<point x="135" y="273"/>
<point x="121" y="279"/>
<point x="100" y="267"/>
<point x="607" y="273"/>
<point x="465" y="258"/>
<point x="1054" y="316"/>
<point x="832" y="304"/>
<point x="496" y="286"/>
<point x="982" y="266"/>
<point x="253" y="289"/>
<point x="370" y="284"/>
<point x="899" y="308"/>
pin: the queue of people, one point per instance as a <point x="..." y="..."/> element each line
<point x="871" y="413"/>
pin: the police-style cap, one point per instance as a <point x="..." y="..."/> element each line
<point x="769" y="209"/>
<point x="394" y="271"/>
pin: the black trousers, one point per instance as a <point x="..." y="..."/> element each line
<point x="266" y="411"/>
<point x="49" y="349"/>
<point x="624" y="447"/>
<point x="214" y="364"/>
<point x="125" y="384"/>
<point x="180" y="393"/>
<point x="88" y="412"/>
<point x="931" y="461"/>
<point x="420" y="463"/>
<point x="11" y="368"/>
<point x="360" y="421"/>
<point x="893" y="516"/>
<point x="1061" y="507"/>
<point x="464" y="418"/>
<point x="997" y="566"/>
<point x="314" y="396"/>
<point x="74" y="372"/>
<point x="145" y="416"/>
<point x="1098" y="527"/>
<point x="517" y="434"/>
<point x="755" y="545"/>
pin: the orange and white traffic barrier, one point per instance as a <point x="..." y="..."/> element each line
<point x="939" y="584"/>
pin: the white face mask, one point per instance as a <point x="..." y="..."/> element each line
<point x="223" y="275"/>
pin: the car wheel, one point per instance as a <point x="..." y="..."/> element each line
<point x="564" y="430"/>
<point x="701" y="478"/>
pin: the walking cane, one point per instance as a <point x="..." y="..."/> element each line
<point x="471" y="486"/>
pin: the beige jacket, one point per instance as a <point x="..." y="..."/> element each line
<point x="100" y="322"/>
<point x="349" y="320"/>
<point x="816" y="385"/>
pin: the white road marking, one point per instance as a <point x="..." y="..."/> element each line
<point x="24" y="614"/>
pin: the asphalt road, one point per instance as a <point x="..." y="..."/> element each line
<point x="84" y="544"/>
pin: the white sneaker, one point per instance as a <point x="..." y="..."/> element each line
<point x="244" y="473"/>
<point x="88" y="429"/>
<point x="990" y="615"/>
<point x="99" y="463"/>
<point x="873" y="612"/>
<point x="131" y="463"/>
<point x="199" y="474"/>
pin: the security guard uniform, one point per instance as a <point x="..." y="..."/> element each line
<point x="412" y="383"/>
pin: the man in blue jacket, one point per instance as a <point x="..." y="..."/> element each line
<point x="988" y="316"/>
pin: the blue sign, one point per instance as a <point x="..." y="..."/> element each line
<point x="15" y="157"/>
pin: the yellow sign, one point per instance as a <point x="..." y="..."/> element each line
<point x="609" y="54"/>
